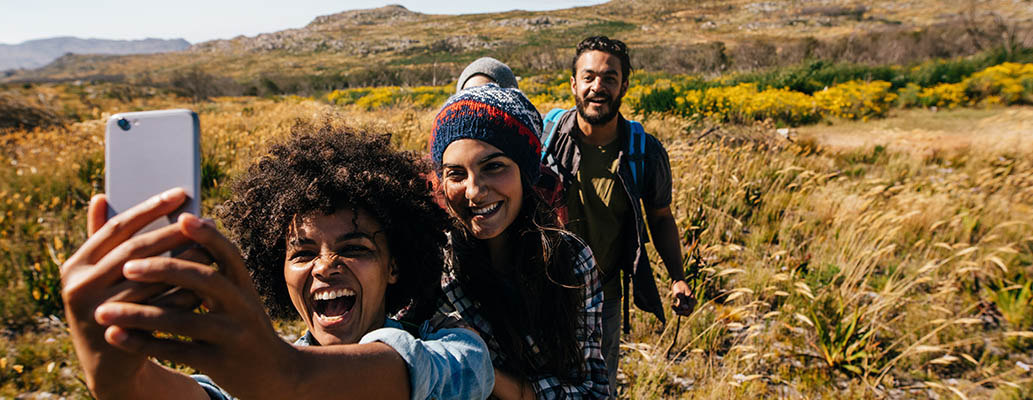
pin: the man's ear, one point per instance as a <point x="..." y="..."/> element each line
<point x="573" y="88"/>
<point x="624" y="87"/>
<point x="392" y="276"/>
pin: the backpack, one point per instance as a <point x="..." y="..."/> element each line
<point x="636" y="143"/>
<point x="636" y="160"/>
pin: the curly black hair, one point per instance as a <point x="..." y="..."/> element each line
<point x="324" y="169"/>
<point x="604" y="44"/>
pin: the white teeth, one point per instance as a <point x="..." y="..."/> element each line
<point x="330" y="319"/>
<point x="485" y="210"/>
<point x="333" y="294"/>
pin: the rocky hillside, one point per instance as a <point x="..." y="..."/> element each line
<point x="394" y="45"/>
<point x="40" y="52"/>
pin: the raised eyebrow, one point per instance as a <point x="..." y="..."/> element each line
<point x="491" y="157"/>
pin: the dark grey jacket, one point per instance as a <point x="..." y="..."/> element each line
<point x="654" y="191"/>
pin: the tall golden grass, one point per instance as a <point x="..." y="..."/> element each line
<point x="863" y="273"/>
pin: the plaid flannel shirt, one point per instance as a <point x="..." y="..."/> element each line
<point x="589" y="330"/>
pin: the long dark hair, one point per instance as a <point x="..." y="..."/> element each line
<point x="540" y="298"/>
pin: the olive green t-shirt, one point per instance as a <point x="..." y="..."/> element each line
<point x="597" y="205"/>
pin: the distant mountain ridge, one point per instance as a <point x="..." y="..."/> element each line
<point x="392" y="45"/>
<point x="39" y="52"/>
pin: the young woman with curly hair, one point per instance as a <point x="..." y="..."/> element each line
<point x="529" y="288"/>
<point x="337" y="226"/>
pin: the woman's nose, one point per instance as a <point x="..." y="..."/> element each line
<point x="475" y="189"/>
<point x="327" y="265"/>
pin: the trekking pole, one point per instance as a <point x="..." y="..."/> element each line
<point x="674" y="342"/>
<point x="682" y="300"/>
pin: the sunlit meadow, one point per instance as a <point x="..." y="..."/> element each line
<point x="822" y="272"/>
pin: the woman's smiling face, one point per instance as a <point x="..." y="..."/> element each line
<point x="337" y="269"/>
<point x="482" y="187"/>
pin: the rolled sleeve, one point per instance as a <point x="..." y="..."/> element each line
<point x="449" y="363"/>
<point x="214" y="391"/>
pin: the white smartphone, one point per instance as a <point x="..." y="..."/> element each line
<point x="149" y="152"/>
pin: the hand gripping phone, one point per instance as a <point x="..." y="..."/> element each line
<point x="149" y="152"/>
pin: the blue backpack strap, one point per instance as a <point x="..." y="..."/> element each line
<point x="551" y="122"/>
<point x="636" y="150"/>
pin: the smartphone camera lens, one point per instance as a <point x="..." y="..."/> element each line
<point x="124" y="124"/>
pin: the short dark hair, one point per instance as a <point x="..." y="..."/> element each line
<point x="323" y="169"/>
<point x="607" y="45"/>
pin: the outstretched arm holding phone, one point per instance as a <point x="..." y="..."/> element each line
<point x="93" y="276"/>
<point x="234" y="342"/>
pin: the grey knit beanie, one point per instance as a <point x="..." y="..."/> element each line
<point x="494" y="69"/>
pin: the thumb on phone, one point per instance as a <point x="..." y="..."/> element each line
<point x="96" y="213"/>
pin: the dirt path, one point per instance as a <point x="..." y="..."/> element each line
<point x="999" y="129"/>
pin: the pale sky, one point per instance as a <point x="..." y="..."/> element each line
<point x="198" y="21"/>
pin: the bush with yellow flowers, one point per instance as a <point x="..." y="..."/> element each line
<point x="547" y="88"/>
<point x="724" y="103"/>
<point x="346" y="96"/>
<point x="944" y="95"/>
<point x="733" y="100"/>
<point x="741" y="103"/>
<point x="380" y="97"/>
<point x="856" y="99"/>
<point x="1007" y="83"/>
<point x="793" y="108"/>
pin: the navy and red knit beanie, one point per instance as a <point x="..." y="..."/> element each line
<point x="501" y="117"/>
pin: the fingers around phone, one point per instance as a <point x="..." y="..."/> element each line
<point x="155" y="294"/>
<point x="119" y="228"/>
<point x="96" y="216"/>
<point x="216" y="291"/>
<point x="225" y="253"/>
<point x="211" y="328"/>
<point x="84" y="285"/>
<point x="109" y="269"/>
<point x="198" y="255"/>
<point x="140" y="342"/>
<point x="97" y="213"/>
<point x="136" y="292"/>
<point x="177" y="298"/>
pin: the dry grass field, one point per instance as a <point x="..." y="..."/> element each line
<point x="883" y="259"/>
<point x="854" y="180"/>
<point x="925" y="131"/>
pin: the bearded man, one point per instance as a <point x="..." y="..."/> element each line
<point x="608" y="186"/>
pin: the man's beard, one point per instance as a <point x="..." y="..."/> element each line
<point x="611" y="113"/>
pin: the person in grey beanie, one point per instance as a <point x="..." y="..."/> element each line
<point x="484" y="70"/>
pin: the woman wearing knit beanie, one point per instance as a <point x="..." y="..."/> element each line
<point x="529" y="288"/>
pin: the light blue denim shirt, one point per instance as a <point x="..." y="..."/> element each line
<point x="444" y="364"/>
